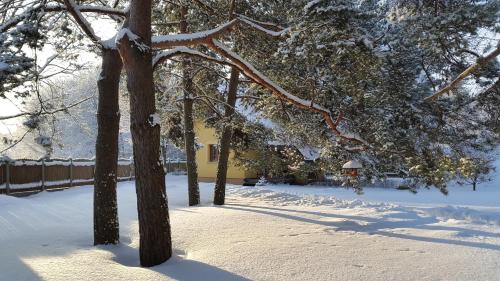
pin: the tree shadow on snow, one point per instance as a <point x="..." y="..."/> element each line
<point x="189" y="270"/>
<point x="381" y="226"/>
<point x="177" y="267"/>
<point x="14" y="268"/>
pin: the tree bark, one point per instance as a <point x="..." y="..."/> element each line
<point x="106" y="226"/>
<point x="189" y="135"/>
<point x="154" y="224"/>
<point x="225" y="139"/>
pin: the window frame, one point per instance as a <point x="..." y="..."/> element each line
<point x="213" y="153"/>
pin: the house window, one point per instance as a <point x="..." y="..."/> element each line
<point x="213" y="153"/>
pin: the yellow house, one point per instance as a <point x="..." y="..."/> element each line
<point x="208" y="155"/>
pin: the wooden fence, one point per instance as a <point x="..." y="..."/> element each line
<point x="174" y="166"/>
<point x="25" y="175"/>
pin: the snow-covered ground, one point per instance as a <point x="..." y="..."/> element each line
<point x="263" y="233"/>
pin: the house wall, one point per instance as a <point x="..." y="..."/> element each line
<point x="207" y="170"/>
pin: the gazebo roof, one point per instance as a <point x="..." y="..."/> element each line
<point x="353" y="164"/>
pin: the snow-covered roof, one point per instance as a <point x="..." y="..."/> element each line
<point x="353" y="164"/>
<point x="254" y="116"/>
<point x="309" y="153"/>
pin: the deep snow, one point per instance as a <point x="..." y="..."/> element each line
<point x="263" y="233"/>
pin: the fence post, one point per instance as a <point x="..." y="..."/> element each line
<point x="131" y="166"/>
<point x="7" y="176"/>
<point x="43" y="174"/>
<point x="70" y="172"/>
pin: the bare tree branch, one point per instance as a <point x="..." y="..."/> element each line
<point x="17" y="141"/>
<point x="45" y="112"/>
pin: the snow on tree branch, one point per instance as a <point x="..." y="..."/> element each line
<point x="264" y="81"/>
<point x="82" y="21"/>
<point x="165" y="55"/>
<point x="132" y="37"/>
<point x="203" y="37"/>
<point x="187" y="39"/>
<point x="265" y="30"/>
<point x="480" y="62"/>
<point x="262" y="23"/>
<point x="14" y="20"/>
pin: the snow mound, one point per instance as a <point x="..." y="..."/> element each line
<point x="463" y="214"/>
<point x="285" y="199"/>
<point x="447" y="213"/>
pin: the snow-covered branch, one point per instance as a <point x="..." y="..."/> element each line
<point x="165" y="55"/>
<point x="250" y="71"/>
<point x="131" y="37"/>
<point x="189" y="39"/>
<point x="262" y="23"/>
<point x="259" y="27"/>
<point x="204" y="37"/>
<point x="14" y="20"/>
<point x="82" y="22"/>
<point x="480" y="62"/>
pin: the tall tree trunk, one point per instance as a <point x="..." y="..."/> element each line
<point x="189" y="136"/>
<point x="154" y="224"/>
<point x="106" y="227"/>
<point x="225" y="139"/>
